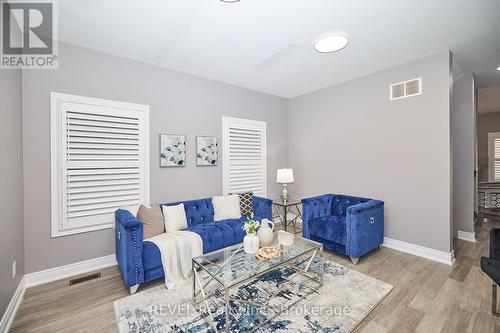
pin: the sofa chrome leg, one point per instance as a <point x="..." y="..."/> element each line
<point x="494" y="300"/>
<point x="355" y="260"/>
<point x="133" y="289"/>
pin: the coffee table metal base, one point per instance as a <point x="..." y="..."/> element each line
<point x="209" y="303"/>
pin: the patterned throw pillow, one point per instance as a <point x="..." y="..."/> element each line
<point x="246" y="203"/>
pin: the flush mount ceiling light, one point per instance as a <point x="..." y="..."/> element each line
<point x="230" y="1"/>
<point x="330" y="43"/>
<point x="498" y="68"/>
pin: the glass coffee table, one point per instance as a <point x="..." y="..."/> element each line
<point x="217" y="275"/>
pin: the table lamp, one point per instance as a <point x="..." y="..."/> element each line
<point x="285" y="177"/>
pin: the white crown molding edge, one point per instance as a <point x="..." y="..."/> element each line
<point x="466" y="236"/>
<point x="15" y="302"/>
<point x="62" y="272"/>
<point x="447" y="258"/>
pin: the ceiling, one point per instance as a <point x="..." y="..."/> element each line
<point x="267" y="45"/>
<point x="488" y="100"/>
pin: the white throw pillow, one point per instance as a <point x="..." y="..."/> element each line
<point x="174" y="218"/>
<point x="226" y="207"/>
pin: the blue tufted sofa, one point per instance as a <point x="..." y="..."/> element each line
<point x="140" y="262"/>
<point x="345" y="224"/>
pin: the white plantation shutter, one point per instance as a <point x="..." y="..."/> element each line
<point x="494" y="155"/>
<point x="100" y="161"/>
<point x="244" y="156"/>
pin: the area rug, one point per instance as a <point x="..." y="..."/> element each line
<point x="344" y="300"/>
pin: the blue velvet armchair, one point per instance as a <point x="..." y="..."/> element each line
<point x="349" y="225"/>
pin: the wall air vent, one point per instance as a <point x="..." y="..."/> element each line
<point x="406" y="89"/>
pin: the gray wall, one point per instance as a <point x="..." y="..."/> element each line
<point x="11" y="188"/>
<point x="463" y="133"/>
<point x="348" y="138"/>
<point x="486" y="123"/>
<point x="179" y="104"/>
<point x="351" y="139"/>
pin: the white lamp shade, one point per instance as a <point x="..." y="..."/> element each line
<point x="284" y="176"/>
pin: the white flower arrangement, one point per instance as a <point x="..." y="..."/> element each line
<point x="251" y="226"/>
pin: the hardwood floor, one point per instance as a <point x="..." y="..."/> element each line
<point x="428" y="296"/>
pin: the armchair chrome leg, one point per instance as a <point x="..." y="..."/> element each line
<point x="355" y="260"/>
<point x="494" y="300"/>
<point x="133" y="289"/>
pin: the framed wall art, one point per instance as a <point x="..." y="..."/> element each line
<point x="207" y="151"/>
<point x="172" y="150"/>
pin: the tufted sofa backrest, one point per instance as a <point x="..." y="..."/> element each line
<point x="197" y="211"/>
<point x="330" y="204"/>
<point x="341" y="202"/>
<point x="318" y="206"/>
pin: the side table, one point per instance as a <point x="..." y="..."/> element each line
<point x="285" y="207"/>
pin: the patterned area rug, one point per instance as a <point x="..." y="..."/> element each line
<point x="343" y="301"/>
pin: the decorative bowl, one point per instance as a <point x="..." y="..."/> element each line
<point x="268" y="252"/>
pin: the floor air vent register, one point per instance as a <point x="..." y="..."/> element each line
<point x="84" y="278"/>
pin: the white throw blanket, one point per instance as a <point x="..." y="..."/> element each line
<point x="177" y="250"/>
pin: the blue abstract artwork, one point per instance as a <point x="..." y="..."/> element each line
<point x="207" y="151"/>
<point x="172" y="150"/>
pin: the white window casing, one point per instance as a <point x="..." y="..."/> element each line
<point x="99" y="161"/>
<point x="494" y="156"/>
<point x="244" y="156"/>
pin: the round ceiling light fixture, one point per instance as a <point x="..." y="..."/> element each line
<point x="330" y="43"/>
<point x="498" y="68"/>
<point x="230" y="1"/>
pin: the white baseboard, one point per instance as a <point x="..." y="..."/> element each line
<point x="49" y="275"/>
<point x="467" y="236"/>
<point x="62" y="272"/>
<point x="10" y="312"/>
<point x="447" y="258"/>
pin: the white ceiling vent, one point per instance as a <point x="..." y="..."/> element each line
<point x="406" y="89"/>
